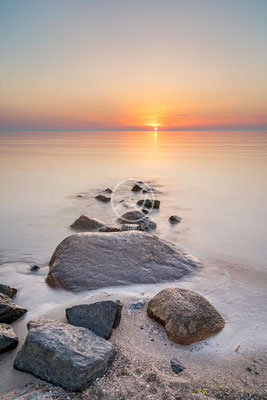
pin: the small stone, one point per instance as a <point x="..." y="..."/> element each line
<point x="7" y="290"/>
<point x="8" y="338"/>
<point x="34" y="268"/>
<point x="136" y="188"/>
<point x="108" y="190"/>
<point x="149" y="203"/>
<point x="102" y="198"/>
<point x="80" y="195"/>
<point x="176" y="366"/>
<point x="174" y="219"/>
<point x="136" y="306"/>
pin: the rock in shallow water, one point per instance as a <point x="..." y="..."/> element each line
<point x="174" y="219"/>
<point x="186" y="315"/>
<point x="64" y="355"/>
<point x="137" y="218"/>
<point x="87" y="261"/>
<point x="7" y="290"/>
<point x="9" y="311"/>
<point x="100" y="317"/>
<point x="102" y="198"/>
<point x="8" y="338"/>
<point x="84" y="223"/>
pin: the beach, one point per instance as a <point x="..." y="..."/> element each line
<point x="216" y="185"/>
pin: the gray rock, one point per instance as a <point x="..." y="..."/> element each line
<point x="176" y="366"/>
<point x="136" y="188"/>
<point x="7" y="290"/>
<point x="9" y="311"/>
<point x="87" y="261"/>
<point x="100" y="317"/>
<point x="149" y="203"/>
<point x="80" y="195"/>
<point x="186" y="315"/>
<point x="8" y="338"/>
<point x="109" y="229"/>
<point x="108" y="190"/>
<point x="174" y="219"/>
<point x="84" y="223"/>
<point x="102" y="198"/>
<point x="64" y="355"/>
<point x="137" y="218"/>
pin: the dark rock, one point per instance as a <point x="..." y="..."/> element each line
<point x="109" y="229"/>
<point x="102" y="198"/>
<point x="136" y="306"/>
<point x="108" y="190"/>
<point x="88" y="261"/>
<point x="174" y="219"/>
<point x="186" y="315"/>
<point x="7" y="290"/>
<point x="149" y="190"/>
<point x="136" y="188"/>
<point x="176" y="366"/>
<point x="8" y="338"/>
<point x="64" y="355"/>
<point x="149" y="203"/>
<point x="99" y="317"/>
<point x="34" y="268"/>
<point x="143" y="222"/>
<point x="84" y="223"/>
<point x="9" y="311"/>
<point x="80" y="195"/>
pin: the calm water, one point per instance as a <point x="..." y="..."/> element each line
<point x="215" y="181"/>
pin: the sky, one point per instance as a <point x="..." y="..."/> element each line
<point x="133" y="64"/>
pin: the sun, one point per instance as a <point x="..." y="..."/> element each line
<point x="155" y="128"/>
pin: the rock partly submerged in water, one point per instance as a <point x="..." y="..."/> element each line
<point x="102" y="198"/>
<point x="100" y="317"/>
<point x="7" y="290"/>
<point x="8" y="338"/>
<point x="149" y="203"/>
<point x="138" y="218"/>
<point x="174" y="219"/>
<point x="186" y="315"/>
<point x="87" y="261"/>
<point x="63" y="354"/>
<point x="85" y="223"/>
<point x="9" y="311"/>
<point x="136" y="188"/>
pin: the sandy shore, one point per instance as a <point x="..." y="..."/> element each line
<point x="141" y="369"/>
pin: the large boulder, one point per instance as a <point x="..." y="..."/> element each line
<point x="9" y="311"/>
<point x="87" y="261"/>
<point x="186" y="315"/>
<point x="100" y="317"/>
<point x="8" y="338"/>
<point x="84" y="223"/>
<point x="64" y="355"/>
<point x="7" y="290"/>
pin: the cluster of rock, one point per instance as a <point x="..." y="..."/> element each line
<point x="132" y="220"/>
<point x="71" y="355"/>
<point x="9" y="312"/>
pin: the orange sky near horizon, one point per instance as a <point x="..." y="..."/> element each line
<point x="133" y="65"/>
